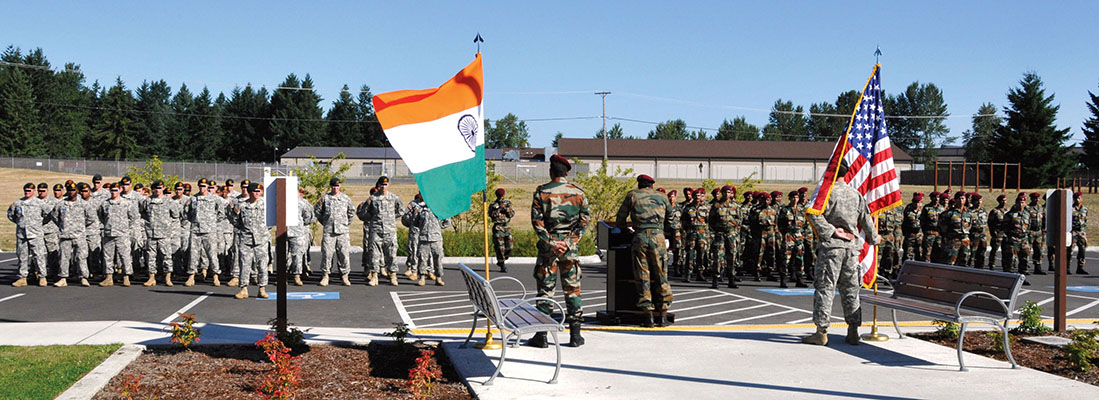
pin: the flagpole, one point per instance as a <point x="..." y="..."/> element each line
<point x="874" y="336"/>
<point x="489" y="344"/>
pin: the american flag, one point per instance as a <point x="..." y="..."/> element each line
<point x="869" y="154"/>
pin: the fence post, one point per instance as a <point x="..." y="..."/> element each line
<point x="1019" y="178"/>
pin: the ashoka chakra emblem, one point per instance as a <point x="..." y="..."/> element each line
<point x="467" y="126"/>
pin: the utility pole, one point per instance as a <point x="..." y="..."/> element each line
<point x="604" y="95"/>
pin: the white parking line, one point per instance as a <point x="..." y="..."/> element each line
<point x="193" y="303"/>
<point x="465" y="322"/>
<point x="417" y="294"/>
<point x="755" y="317"/>
<point x="401" y="310"/>
<point x="11" y="297"/>
<point x="1085" y="307"/>
<point x="677" y="301"/>
<point x="10" y="259"/>
<point x="469" y="306"/>
<point x="434" y="297"/>
<point x="765" y="302"/>
<point x="1046" y="301"/>
<point x="1069" y="295"/>
<point x="447" y="315"/>
<point x="678" y="310"/>
<point x="437" y="302"/>
<point x="721" y="312"/>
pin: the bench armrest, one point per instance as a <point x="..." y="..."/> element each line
<point x="521" y="286"/>
<point x="886" y="281"/>
<point x="958" y="306"/>
<point x="561" y="308"/>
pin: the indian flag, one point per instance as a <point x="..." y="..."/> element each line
<point x="439" y="134"/>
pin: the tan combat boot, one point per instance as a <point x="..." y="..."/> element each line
<point x="262" y="292"/>
<point x="217" y="281"/>
<point x="233" y="282"/>
<point x="414" y="277"/>
<point x="297" y="280"/>
<point x="107" y="281"/>
<point x="372" y="280"/>
<point x="125" y="281"/>
<point x="346" y="280"/>
<point x="431" y="275"/>
<point x="384" y="273"/>
<point x="421" y="281"/>
<point x="203" y="275"/>
<point x="20" y="282"/>
<point x="820" y="337"/>
<point x="168" y="280"/>
<point x="84" y="282"/>
<point x="191" y="279"/>
<point x="439" y="281"/>
<point x="42" y="281"/>
<point x="151" y="281"/>
<point x="393" y="279"/>
<point x="242" y="294"/>
<point x="409" y="273"/>
<point x="61" y="282"/>
<point x="324" y="280"/>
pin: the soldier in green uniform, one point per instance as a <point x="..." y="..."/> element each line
<point x="1079" y="233"/>
<point x="809" y="242"/>
<point x="889" y="254"/>
<point x="559" y="214"/>
<point x="695" y="228"/>
<point x="791" y="224"/>
<point x="673" y="231"/>
<point x="648" y="210"/>
<point x="1017" y="247"/>
<point x="1037" y="233"/>
<point x="500" y="211"/>
<point x="929" y="223"/>
<point x="768" y="230"/>
<point x="978" y="237"/>
<point x="910" y="227"/>
<point x="996" y="232"/>
<point x="725" y="219"/>
<point x="954" y="226"/>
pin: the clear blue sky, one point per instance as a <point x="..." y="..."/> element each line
<point x="717" y="59"/>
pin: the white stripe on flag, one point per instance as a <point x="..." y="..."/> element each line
<point x="438" y="142"/>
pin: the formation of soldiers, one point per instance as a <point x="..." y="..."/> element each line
<point x="956" y="229"/>
<point x="110" y="230"/>
<point x="721" y="239"/>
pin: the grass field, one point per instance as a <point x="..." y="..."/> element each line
<point x="43" y="372"/>
<point x="12" y="180"/>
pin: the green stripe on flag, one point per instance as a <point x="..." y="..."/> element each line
<point x="447" y="189"/>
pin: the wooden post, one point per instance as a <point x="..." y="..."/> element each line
<point x="1019" y="178"/>
<point x="950" y="175"/>
<point x="1003" y="186"/>
<point x="280" y="255"/>
<point x="963" y="174"/>
<point x="977" y="180"/>
<point x="1060" y="280"/>
<point x="936" y="176"/>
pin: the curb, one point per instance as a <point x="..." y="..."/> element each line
<point x="88" y="386"/>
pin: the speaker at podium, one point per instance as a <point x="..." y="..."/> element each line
<point x="621" y="283"/>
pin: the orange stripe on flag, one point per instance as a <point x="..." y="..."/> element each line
<point x="404" y="107"/>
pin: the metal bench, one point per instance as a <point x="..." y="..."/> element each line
<point x="942" y="292"/>
<point x="513" y="317"/>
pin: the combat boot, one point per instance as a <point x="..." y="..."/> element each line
<point x="125" y="281"/>
<point x="242" y="294"/>
<point x="716" y="280"/>
<point x="22" y="282"/>
<point x="539" y="340"/>
<point x="757" y="278"/>
<point x="575" y="340"/>
<point x="190" y="279"/>
<point x="42" y="281"/>
<point x="732" y="284"/>
<point x="439" y="281"/>
<point x="782" y="282"/>
<point x="233" y="282"/>
<point x="347" y="279"/>
<point x="107" y="281"/>
<point x="422" y="281"/>
<point x="820" y="337"/>
<point x="385" y="273"/>
<point x="430" y="276"/>
<point x="852" y="335"/>
<point x="647" y="321"/>
<point x="663" y="321"/>
<point x="799" y="282"/>
<point x="61" y="282"/>
<point x="262" y="292"/>
<point x="414" y="277"/>
<point x="409" y="273"/>
<point x="1080" y="270"/>
<point x="324" y="280"/>
<point x="372" y="279"/>
<point x="217" y="281"/>
<point x="297" y="280"/>
<point x="203" y="276"/>
<point x="151" y="281"/>
<point x="393" y="279"/>
<point x="84" y="282"/>
<point x="503" y="268"/>
<point x="168" y="280"/>
<point x="1038" y="271"/>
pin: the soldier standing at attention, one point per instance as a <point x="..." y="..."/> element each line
<point x="768" y="230"/>
<point x="809" y="241"/>
<point x="335" y="211"/>
<point x="649" y="210"/>
<point x="559" y="214"/>
<point x="251" y="218"/>
<point x="889" y="227"/>
<point x="725" y="219"/>
<point x="137" y="230"/>
<point x="225" y="229"/>
<point x="382" y="213"/>
<point x="837" y="264"/>
<point x="299" y="237"/>
<point x="49" y="226"/>
<point x="430" y="249"/>
<point x="162" y="215"/>
<point x="673" y="231"/>
<point x="1079" y="233"/>
<point x="978" y="238"/>
<point x="695" y="215"/>
<point x="500" y="212"/>
<point x="205" y="211"/>
<point x="117" y="215"/>
<point x="1017" y="247"/>
<point x="996" y="232"/>
<point x="93" y="236"/>
<point x="98" y="191"/>
<point x="929" y="223"/>
<point x="954" y="226"/>
<point x="28" y="214"/>
<point x="791" y="224"/>
<point x="408" y="220"/>
<point x="1037" y="234"/>
<point x="73" y="219"/>
<point x="182" y="239"/>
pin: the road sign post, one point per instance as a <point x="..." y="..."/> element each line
<point x="1058" y="225"/>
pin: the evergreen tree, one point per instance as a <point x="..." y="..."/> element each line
<point x="180" y="135"/>
<point x="62" y="122"/>
<point x="1090" y="158"/>
<point x="296" y="116"/>
<point x="786" y="123"/>
<point x="1030" y="135"/>
<point x="616" y="132"/>
<point x="737" y="129"/>
<point x="506" y="132"/>
<point x="823" y="128"/>
<point x="113" y="127"/>
<point x="670" y="130"/>
<point x="557" y="138"/>
<point x="19" y="122"/>
<point x="370" y="130"/>
<point x="920" y="137"/>
<point x="343" y="121"/>
<point x="248" y="134"/>
<point x="154" y="122"/>
<point x="204" y="128"/>
<point x="978" y="141"/>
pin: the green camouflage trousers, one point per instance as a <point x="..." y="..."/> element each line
<point x="696" y="245"/>
<point x="648" y="261"/>
<point x="546" y="272"/>
<point x="913" y="246"/>
<point x="793" y="253"/>
<point x="931" y="243"/>
<point x="995" y="243"/>
<point x="836" y="269"/>
<point x="1080" y="242"/>
<point x="1015" y="250"/>
<point x="725" y="251"/>
<point x="502" y="241"/>
<point x="888" y="258"/>
<point x="768" y="249"/>
<point x="977" y="247"/>
<point x="1037" y="243"/>
<point x="955" y="251"/>
<point x="675" y="250"/>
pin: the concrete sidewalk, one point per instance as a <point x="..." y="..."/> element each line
<point x="153" y="333"/>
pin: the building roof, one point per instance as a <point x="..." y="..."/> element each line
<point x="370" y="153"/>
<point x="712" y="149"/>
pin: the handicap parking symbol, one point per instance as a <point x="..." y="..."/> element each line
<point x="790" y="292"/>
<point x="1085" y="289"/>
<point x="306" y="296"/>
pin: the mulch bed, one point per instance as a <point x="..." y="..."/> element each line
<point x="374" y="371"/>
<point x="1031" y="355"/>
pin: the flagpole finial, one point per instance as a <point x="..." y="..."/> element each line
<point x="478" y="40"/>
<point x="877" y="53"/>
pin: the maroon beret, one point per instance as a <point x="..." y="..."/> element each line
<point x="645" y="178"/>
<point x="558" y="159"/>
<point x="500" y="192"/>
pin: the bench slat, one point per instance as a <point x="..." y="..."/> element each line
<point x="975" y="302"/>
<point x="991" y="278"/>
<point x="958" y="285"/>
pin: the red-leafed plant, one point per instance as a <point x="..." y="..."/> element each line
<point x="282" y="381"/>
<point x="184" y="333"/>
<point x="131" y="385"/>
<point x="421" y="378"/>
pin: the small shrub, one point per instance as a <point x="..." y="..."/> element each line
<point x="1083" y="349"/>
<point x="400" y="332"/>
<point x="292" y="338"/>
<point x="997" y="338"/>
<point x="422" y="377"/>
<point x="131" y="385"/>
<point x="946" y="329"/>
<point x="1030" y="321"/>
<point x="282" y="381"/>
<point x="184" y="333"/>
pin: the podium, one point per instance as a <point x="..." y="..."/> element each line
<point x="621" y="285"/>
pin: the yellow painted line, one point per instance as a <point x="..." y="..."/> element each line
<point x="881" y="325"/>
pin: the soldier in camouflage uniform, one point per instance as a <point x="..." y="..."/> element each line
<point x="74" y="217"/>
<point x="929" y="224"/>
<point x="205" y="211"/>
<point x="889" y="251"/>
<point x="1079" y="233"/>
<point x="384" y="209"/>
<point x="978" y="238"/>
<point x="769" y="235"/>
<point x="695" y="229"/>
<point x="251" y="218"/>
<point x="559" y="214"/>
<point x="501" y="212"/>
<point x="649" y="211"/>
<point x="791" y="224"/>
<point x="28" y="214"/>
<point x="162" y="215"/>
<point x="98" y="191"/>
<point x="954" y="225"/>
<point x="749" y="223"/>
<point x="118" y="216"/>
<point x="137" y="230"/>
<point x="411" y="211"/>
<point x="335" y="211"/>
<point x="93" y="236"/>
<point x="1017" y="247"/>
<point x="1037" y="234"/>
<point x="225" y="229"/>
<point x="725" y="220"/>
<point x="299" y="237"/>
<point x="996" y="232"/>
<point x="182" y="239"/>
<point x="49" y="226"/>
<point x="837" y="264"/>
<point x="430" y="249"/>
<point x="809" y="241"/>
<point x="673" y="232"/>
